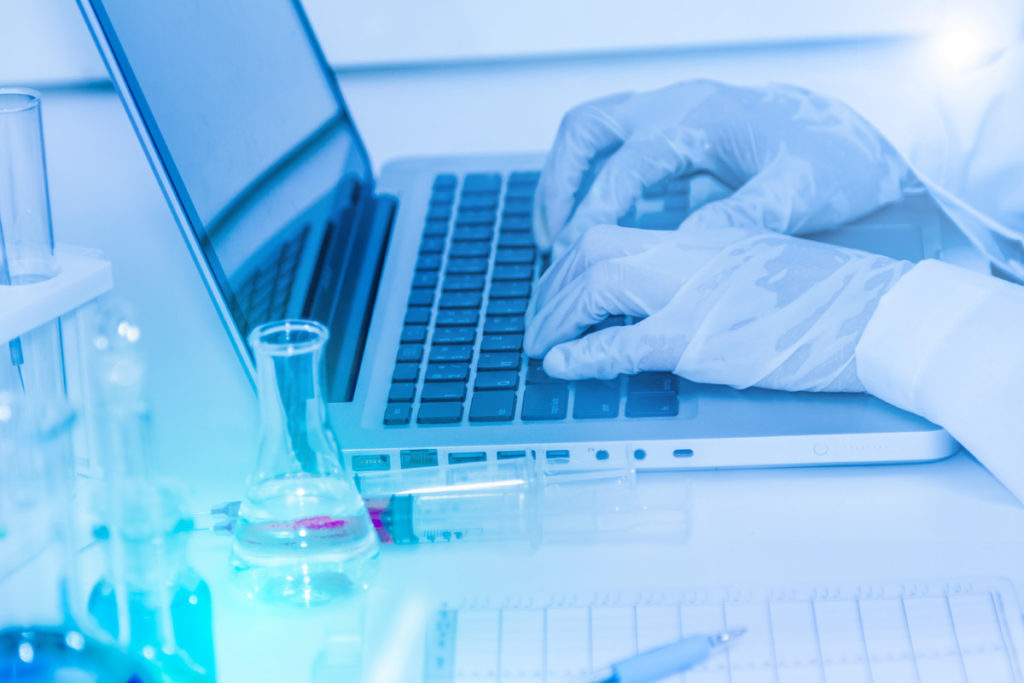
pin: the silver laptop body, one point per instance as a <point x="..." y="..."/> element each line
<point x="248" y="135"/>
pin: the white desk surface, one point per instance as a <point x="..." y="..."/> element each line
<point x="947" y="519"/>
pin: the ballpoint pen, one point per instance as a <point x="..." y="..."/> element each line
<point x="655" y="664"/>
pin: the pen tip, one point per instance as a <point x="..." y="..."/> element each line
<point x="726" y="637"/>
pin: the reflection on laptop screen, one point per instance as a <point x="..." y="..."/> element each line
<point x="252" y="133"/>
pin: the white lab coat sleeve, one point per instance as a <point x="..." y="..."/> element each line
<point x="948" y="344"/>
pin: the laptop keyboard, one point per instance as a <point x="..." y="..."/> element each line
<point x="265" y="292"/>
<point x="461" y="354"/>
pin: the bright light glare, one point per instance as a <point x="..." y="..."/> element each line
<point x="961" y="43"/>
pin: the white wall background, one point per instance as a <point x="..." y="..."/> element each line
<point x="45" y="41"/>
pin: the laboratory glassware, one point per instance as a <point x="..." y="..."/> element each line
<point x="150" y="600"/>
<point x="303" y="534"/>
<point x="40" y="637"/>
<point x="36" y="364"/>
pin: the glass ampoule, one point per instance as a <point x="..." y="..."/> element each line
<point x="40" y="636"/>
<point x="303" y="534"/>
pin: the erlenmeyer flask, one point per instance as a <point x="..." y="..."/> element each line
<point x="303" y="534"/>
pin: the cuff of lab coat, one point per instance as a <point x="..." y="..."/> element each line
<point x="946" y="343"/>
<point x="912" y="324"/>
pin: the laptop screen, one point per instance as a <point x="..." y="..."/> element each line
<point x="252" y="131"/>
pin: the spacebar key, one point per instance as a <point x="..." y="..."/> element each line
<point x="545" y="401"/>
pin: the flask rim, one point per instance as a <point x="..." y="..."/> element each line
<point x="32" y="99"/>
<point x="295" y="336"/>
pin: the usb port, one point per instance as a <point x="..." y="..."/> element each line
<point x="508" y="455"/>
<point x="426" y="457"/>
<point x="460" y="458"/>
<point x="371" y="463"/>
<point x="558" y="455"/>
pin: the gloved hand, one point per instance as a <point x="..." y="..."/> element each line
<point x="734" y="306"/>
<point x="799" y="160"/>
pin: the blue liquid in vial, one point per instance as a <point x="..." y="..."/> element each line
<point x="44" y="655"/>
<point x="191" y="619"/>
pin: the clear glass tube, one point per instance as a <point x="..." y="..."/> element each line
<point x="303" y="534"/>
<point x="26" y="241"/>
<point x="27" y="252"/>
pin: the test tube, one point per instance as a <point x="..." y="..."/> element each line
<point x="36" y="364"/>
<point x="27" y="234"/>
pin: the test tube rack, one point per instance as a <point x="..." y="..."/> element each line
<point x="83" y="276"/>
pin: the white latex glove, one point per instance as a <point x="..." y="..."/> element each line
<point x="799" y="160"/>
<point x="732" y="306"/>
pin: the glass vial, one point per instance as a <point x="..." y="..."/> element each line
<point x="303" y="534"/>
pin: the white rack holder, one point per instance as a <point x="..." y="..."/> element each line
<point x="83" y="276"/>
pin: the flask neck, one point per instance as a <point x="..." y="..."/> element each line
<point x="295" y="436"/>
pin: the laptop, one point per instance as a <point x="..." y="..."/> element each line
<point x="423" y="274"/>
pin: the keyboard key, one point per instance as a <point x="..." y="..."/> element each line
<point x="657" y="190"/>
<point x="469" y="249"/>
<point x="397" y="414"/>
<point x="545" y="402"/>
<point x="443" y="391"/>
<point x="450" y="354"/>
<point x="409" y="353"/>
<point x="524" y="178"/>
<point x="439" y="413"/>
<point x="414" y="334"/>
<point x="501" y="342"/>
<point x="479" y="201"/>
<point x="428" y="262"/>
<point x="507" y="306"/>
<point x="463" y="283"/>
<point x="456" y="317"/>
<point x="481" y="182"/>
<point x="406" y="372"/>
<point x="461" y="300"/>
<point x="660" y="220"/>
<point x="653" y="383"/>
<point x="454" y="335"/>
<point x="425" y="279"/>
<point x="520" y="191"/>
<point x="517" y="223"/>
<point x="514" y="256"/>
<point x="596" y="399"/>
<point x="421" y="297"/>
<point x="652" y="405"/>
<point x="417" y="315"/>
<point x="677" y="203"/>
<point x="498" y="361"/>
<point x="510" y="289"/>
<point x="535" y="373"/>
<point x="442" y="196"/>
<point x="518" y="272"/>
<point x="496" y="379"/>
<point x="467" y="266"/>
<point x="493" y="406"/>
<point x="505" y="324"/>
<point x="473" y="234"/>
<point x="436" y="229"/>
<point x="402" y="392"/>
<point x="432" y="245"/>
<point x="447" y="372"/>
<point x="439" y="213"/>
<point x="518" y="206"/>
<point x="468" y="217"/>
<point x="515" y="239"/>
<point x="444" y="181"/>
